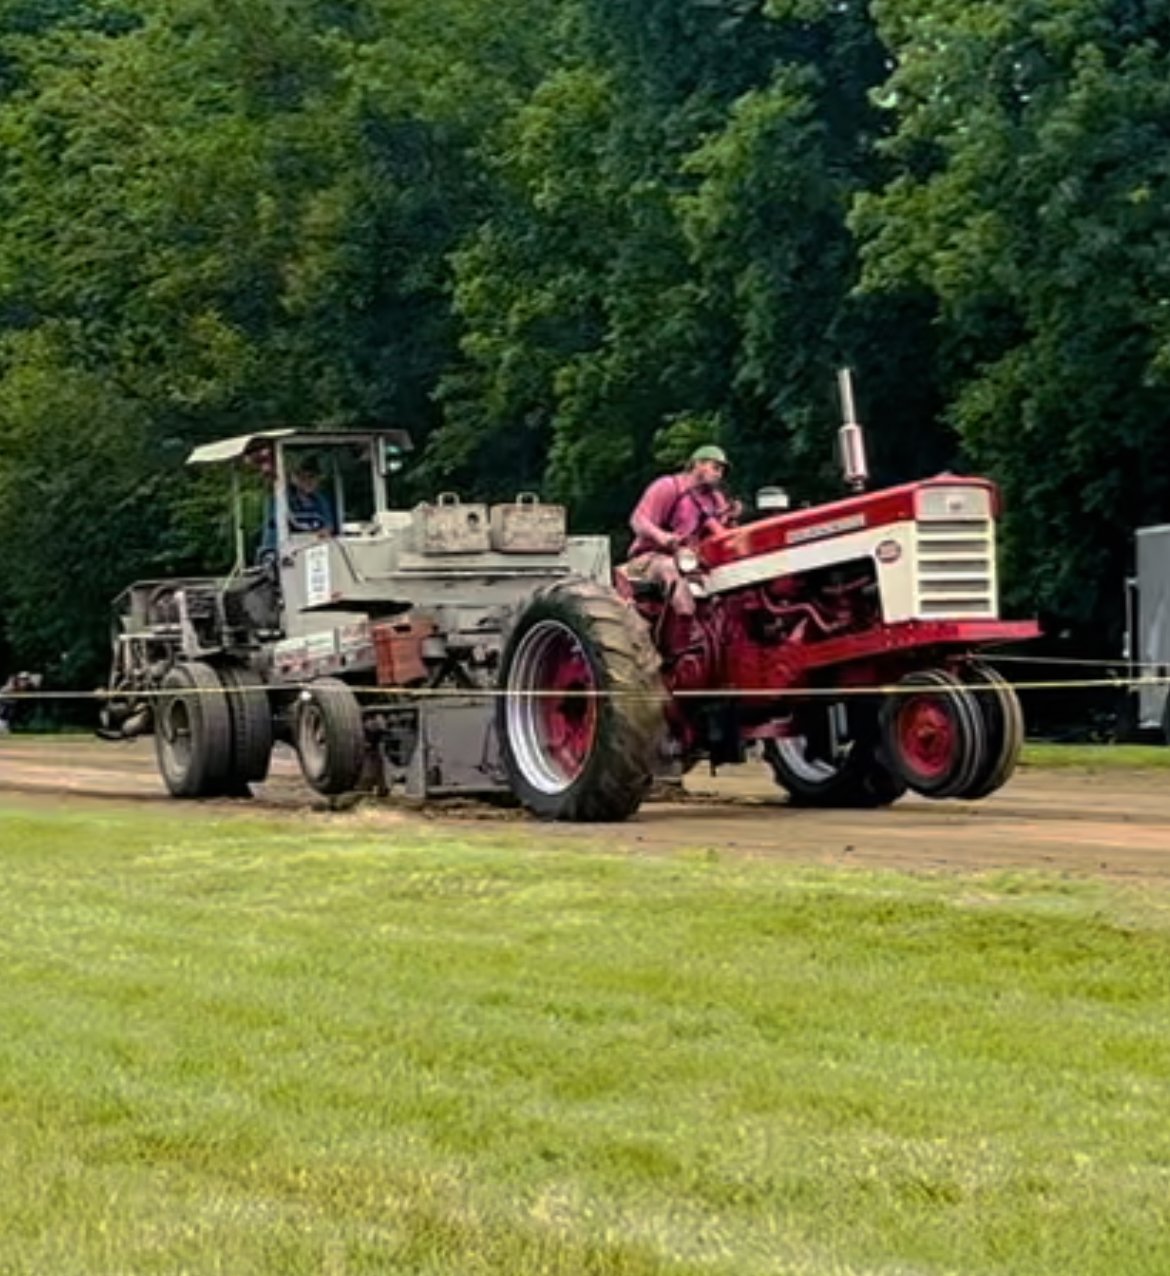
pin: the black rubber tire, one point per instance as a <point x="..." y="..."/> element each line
<point x="616" y="775"/>
<point x="862" y="781"/>
<point x="1003" y="722"/>
<point x="330" y="737"/>
<point x="969" y="757"/>
<point x="251" y="715"/>
<point x="193" y="731"/>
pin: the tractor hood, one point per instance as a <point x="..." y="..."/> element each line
<point x="825" y="522"/>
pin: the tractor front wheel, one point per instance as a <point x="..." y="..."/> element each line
<point x="833" y="762"/>
<point x="581" y="716"/>
<point x="934" y="736"/>
<point x="1003" y="723"/>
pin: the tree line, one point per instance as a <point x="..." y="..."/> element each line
<point x="562" y="241"/>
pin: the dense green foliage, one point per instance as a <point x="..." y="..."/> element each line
<point x="560" y="240"/>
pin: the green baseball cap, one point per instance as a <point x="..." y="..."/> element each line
<point x="709" y="452"/>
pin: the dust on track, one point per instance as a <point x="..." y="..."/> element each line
<point x="1114" y="823"/>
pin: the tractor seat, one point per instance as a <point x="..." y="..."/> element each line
<point x="640" y="589"/>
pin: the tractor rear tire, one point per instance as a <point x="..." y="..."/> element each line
<point x="858" y="780"/>
<point x="330" y="737"/>
<point x="193" y="731"/>
<point x="933" y="735"/>
<point x="581" y="720"/>
<point x="1003" y="722"/>
<point x="251" y="716"/>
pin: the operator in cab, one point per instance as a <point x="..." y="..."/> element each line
<point x="677" y="510"/>
<point x="310" y="508"/>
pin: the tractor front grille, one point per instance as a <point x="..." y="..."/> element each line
<point x="956" y="568"/>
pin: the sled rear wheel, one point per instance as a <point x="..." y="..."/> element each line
<point x="251" y="717"/>
<point x="330" y="737"/>
<point x="193" y="731"/>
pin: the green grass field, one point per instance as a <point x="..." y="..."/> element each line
<point x="1097" y="757"/>
<point x="284" y="1046"/>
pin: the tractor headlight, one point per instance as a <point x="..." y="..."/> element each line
<point x="687" y="561"/>
<point x="947" y="503"/>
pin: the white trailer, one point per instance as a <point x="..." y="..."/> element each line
<point x="1148" y="625"/>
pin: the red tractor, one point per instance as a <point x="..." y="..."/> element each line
<point x="843" y="639"/>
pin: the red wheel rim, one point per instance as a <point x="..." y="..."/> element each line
<point x="928" y="736"/>
<point x="569" y="714"/>
<point x="552" y="722"/>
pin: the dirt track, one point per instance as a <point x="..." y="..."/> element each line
<point x="1111" y="822"/>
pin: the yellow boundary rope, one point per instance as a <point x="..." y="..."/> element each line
<point x="496" y="693"/>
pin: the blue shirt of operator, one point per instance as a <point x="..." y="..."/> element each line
<point x="310" y="510"/>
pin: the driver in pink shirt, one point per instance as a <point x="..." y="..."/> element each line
<point x="675" y="510"/>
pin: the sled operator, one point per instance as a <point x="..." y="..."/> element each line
<point x="310" y="509"/>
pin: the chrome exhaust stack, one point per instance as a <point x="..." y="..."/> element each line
<point x="851" y="437"/>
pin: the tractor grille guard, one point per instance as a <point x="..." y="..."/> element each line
<point x="956" y="574"/>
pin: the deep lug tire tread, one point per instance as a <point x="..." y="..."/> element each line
<point x="617" y="643"/>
